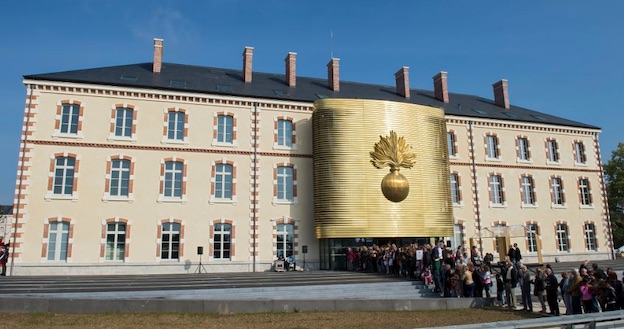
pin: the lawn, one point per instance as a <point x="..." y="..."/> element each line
<point x="324" y="320"/>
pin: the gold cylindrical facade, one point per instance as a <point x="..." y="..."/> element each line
<point x="348" y="200"/>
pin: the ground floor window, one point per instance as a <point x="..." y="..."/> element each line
<point x="285" y="240"/>
<point x="115" y="241"/>
<point x="222" y="241"/>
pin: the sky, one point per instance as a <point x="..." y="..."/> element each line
<point x="564" y="58"/>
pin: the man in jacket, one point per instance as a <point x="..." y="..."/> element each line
<point x="551" y="291"/>
<point x="510" y="278"/>
<point x="574" y="288"/>
<point x="525" y="288"/>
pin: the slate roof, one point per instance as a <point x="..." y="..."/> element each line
<point x="211" y="80"/>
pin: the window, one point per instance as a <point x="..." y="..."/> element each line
<point x="225" y="129"/>
<point x="496" y="189"/>
<point x="284" y="133"/>
<point x="170" y="241"/>
<point x="455" y="194"/>
<point x="70" y="114"/>
<point x="557" y="191"/>
<point x="499" y="231"/>
<point x="64" y="175"/>
<point x="528" y="191"/>
<point x="58" y="241"/>
<point x="590" y="237"/>
<point x="579" y="152"/>
<point x="222" y="241"/>
<point x="223" y="181"/>
<point x="123" y="122"/>
<point x="120" y="178"/>
<point x="552" y="150"/>
<point x="285" y="183"/>
<point x="523" y="149"/>
<point x="173" y="179"/>
<point x="115" y="241"/>
<point x="531" y="232"/>
<point x="450" y="140"/>
<point x="285" y="240"/>
<point x="175" y="125"/>
<point x="492" y="147"/>
<point x="562" y="237"/>
<point x="585" y="193"/>
<point x="458" y="235"/>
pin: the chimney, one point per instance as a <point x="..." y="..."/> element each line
<point x="501" y="94"/>
<point x="247" y="57"/>
<point x="440" y="87"/>
<point x="333" y="74"/>
<point x="291" y="69"/>
<point x="402" y="82"/>
<point x="158" y="53"/>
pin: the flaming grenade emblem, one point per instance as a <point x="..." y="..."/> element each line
<point x="394" y="152"/>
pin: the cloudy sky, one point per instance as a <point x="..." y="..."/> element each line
<point x="560" y="57"/>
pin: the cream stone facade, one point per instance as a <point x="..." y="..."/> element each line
<point x="90" y="230"/>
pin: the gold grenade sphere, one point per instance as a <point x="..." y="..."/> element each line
<point x="395" y="186"/>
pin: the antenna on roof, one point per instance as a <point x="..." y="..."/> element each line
<point x="331" y="44"/>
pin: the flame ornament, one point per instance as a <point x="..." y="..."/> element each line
<point x="392" y="151"/>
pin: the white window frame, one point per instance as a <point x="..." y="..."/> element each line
<point x="285" y="236"/>
<point x="58" y="240"/>
<point x="552" y="150"/>
<point x="117" y="248"/>
<point x="455" y="192"/>
<point x="558" y="198"/>
<point x="579" y="153"/>
<point x="590" y="237"/>
<point x="562" y="238"/>
<point x="123" y="122"/>
<point x="285" y="183"/>
<point x="62" y="180"/>
<point x="285" y="133"/>
<point x="225" y="129"/>
<point x="123" y="175"/>
<point x="70" y="119"/>
<point x="531" y="232"/>
<point x="167" y="237"/>
<point x="450" y="140"/>
<point x="173" y="175"/>
<point x="174" y="120"/>
<point x="528" y="191"/>
<point x="496" y="190"/>
<point x="223" y="181"/>
<point x="585" y="192"/>
<point x="221" y="232"/>
<point x="523" y="149"/>
<point x="492" y="147"/>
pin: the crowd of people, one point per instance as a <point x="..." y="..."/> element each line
<point x="456" y="273"/>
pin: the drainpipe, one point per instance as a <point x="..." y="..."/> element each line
<point x="475" y="184"/>
<point x="255" y="180"/>
<point x="21" y="177"/>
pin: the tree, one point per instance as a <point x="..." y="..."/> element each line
<point x="614" y="178"/>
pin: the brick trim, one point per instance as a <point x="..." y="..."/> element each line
<point x="163" y="162"/>
<point x="159" y="236"/>
<point x="46" y="237"/>
<point x="585" y="223"/>
<point x="211" y="240"/>
<point x="176" y="109"/>
<point x="59" y="116"/>
<point x="213" y="174"/>
<point x="113" y="120"/>
<point x="287" y="221"/>
<point x="215" y="130"/>
<point x="103" y="238"/>
<point x="567" y="230"/>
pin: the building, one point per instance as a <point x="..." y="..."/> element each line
<point x="148" y="168"/>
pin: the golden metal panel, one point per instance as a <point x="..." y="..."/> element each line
<point x="348" y="201"/>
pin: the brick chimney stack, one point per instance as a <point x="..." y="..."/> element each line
<point x="247" y="57"/>
<point x="158" y="54"/>
<point x="402" y="82"/>
<point x="440" y="87"/>
<point x="501" y="94"/>
<point x="333" y="74"/>
<point x="291" y="69"/>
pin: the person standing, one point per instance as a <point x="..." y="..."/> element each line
<point x="514" y="254"/>
<point x="575" y="291"/>
<point x="510" y="278"/>
<point x="552" y="287"/>
<point x="539" y="288"/>
<point x="525" y="288"/>
<point x="4" y="256"/>
<point x="564" y="284"/>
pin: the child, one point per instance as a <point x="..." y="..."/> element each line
<point x="500" y="289"/>
<point x="427" y="278"/>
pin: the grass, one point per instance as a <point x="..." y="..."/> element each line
<point x="298" y="320"/>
